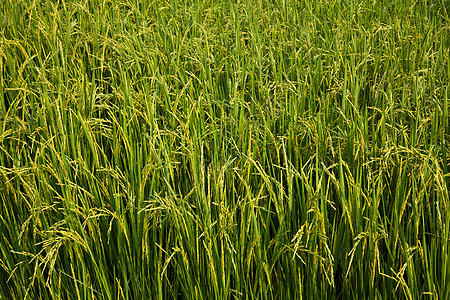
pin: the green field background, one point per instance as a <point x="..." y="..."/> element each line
<point x="224" y="149"/>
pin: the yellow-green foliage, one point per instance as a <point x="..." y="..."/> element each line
<point x="224" y="149"/>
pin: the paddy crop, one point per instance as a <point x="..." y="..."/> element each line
<point x="224" y="149"/>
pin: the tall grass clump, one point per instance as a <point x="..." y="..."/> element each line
<point x="224" y="149"/>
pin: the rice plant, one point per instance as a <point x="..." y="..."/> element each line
<point x="246" y="149"/>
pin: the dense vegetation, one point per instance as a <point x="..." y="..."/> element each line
<point x="244" y="149"/>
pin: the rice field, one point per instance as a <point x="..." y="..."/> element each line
<point x="247" y="149"/>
